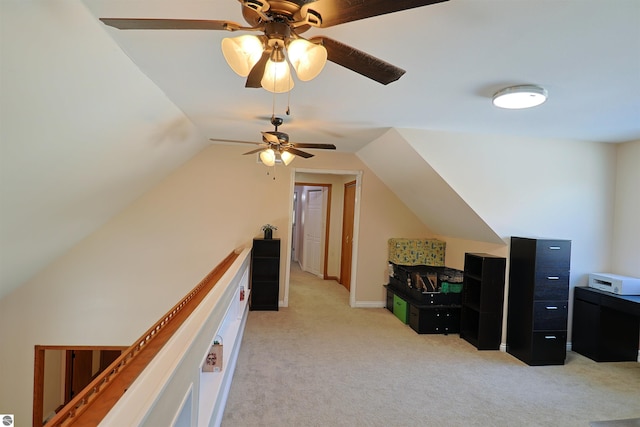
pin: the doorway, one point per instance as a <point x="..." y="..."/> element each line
<point x="334" y="180"/>
<point x="60" y="372"/>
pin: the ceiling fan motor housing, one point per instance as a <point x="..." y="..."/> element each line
<point x="276" y="121"/>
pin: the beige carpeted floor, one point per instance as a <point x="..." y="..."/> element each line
<point x="319" y="362"/>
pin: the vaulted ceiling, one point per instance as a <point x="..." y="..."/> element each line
<point x="456" y="54"/>
<point x="75" y="93"/>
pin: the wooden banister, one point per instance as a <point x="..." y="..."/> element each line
<point x="91" y="404"/>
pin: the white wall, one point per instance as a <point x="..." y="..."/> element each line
<point x="625" y="258"/>
<point x="74" y="152"/>
<point x="533" y="188"/>
<point x="411" y="176"/>
<point x="54" y="371"/>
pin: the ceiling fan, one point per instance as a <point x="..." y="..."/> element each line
<point x="275" y="146"/>
<point x="263" y="59"/>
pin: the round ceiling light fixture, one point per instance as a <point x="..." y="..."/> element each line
<point x="518" y="97"/>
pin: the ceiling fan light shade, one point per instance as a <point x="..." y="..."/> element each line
<point x="287" y="157"/>
<point x="268" y="157"/>
<point x="308" y="59"/>
<point x="519" y="97"/>
<point x="242" y="53"/>
<point x="277" y="77"/>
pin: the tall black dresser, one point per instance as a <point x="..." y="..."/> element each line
<point x="265" y="274"/>
<point x="538" y="300"/>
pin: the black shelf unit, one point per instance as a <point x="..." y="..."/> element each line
<point x="482" y="300"/>
<point x="538" y="300"/>
<point x="265" y="274"/>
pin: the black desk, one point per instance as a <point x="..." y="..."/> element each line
<point x="606" y="326"/>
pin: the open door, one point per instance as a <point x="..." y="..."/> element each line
<point x="312" y="250"/>
<point x="347" y="234"/>
<point x="311" y="223"/>
<point x="79" y="371"/>
<point x="82" y="366"/>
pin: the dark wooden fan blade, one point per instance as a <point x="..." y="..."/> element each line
<point x="255" y="75"/>
<point x="169" y="24"/>
<point x="312" y="145"/>
<point x="298" y="152"/>
<point x="334" y="12"/>
<point x="234" y="140"/>
<point x="359" y="61"/>
<point x="270" y="137"/>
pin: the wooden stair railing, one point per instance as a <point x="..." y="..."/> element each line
<point x="93" y="403"/>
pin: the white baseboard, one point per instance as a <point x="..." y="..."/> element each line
<point x="369" y="304"/>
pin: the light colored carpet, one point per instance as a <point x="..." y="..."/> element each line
<point x="319" y="362"/>
<point x="635" y="422"/>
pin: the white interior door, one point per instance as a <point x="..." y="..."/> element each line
<point x="312" y="252"/>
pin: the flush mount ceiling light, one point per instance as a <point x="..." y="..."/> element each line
<point x="518" y="97"/>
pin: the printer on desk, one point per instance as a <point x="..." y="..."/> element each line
<point x="614" y="283"/>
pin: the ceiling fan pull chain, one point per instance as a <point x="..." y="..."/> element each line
<point x="273" y="105"/>
<point x="288" y="112"/>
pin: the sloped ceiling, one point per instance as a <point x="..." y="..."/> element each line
<point x="456" y="53"/>
<point x="423" y="190"/>
<point x="83" y="134"/>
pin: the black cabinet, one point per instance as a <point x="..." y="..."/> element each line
<point x="435" y="313"/>
<point x="606" y="326"/>
<point x="434" y="319"/>
<point x="538" y="300"/>
<point x="265" y="274"/>
<point x="482" y="300"/>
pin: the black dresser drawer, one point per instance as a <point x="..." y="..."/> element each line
<point x="549" y="348"/>
<point x="440" y="320"/>
<point x="556" y="253"/>
<point x="551" y="284"/>
<point x="437" y="298"/>
<point x="550" y="315"/>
